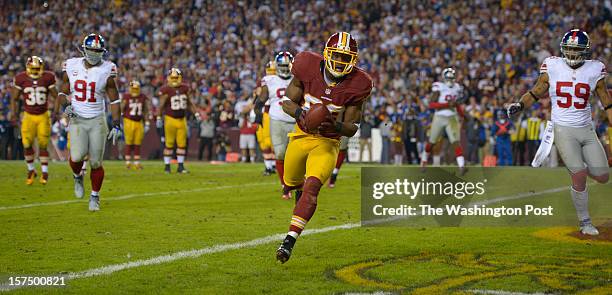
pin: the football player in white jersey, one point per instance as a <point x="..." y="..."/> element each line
<point x="272" y="91"/>
<point x="87" y="83"/>
<point x="445" y="98"/>
<point x="570" y="81"/>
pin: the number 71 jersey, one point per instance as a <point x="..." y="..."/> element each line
<point x="88" y="86"/>
<point x="570" y="90"/>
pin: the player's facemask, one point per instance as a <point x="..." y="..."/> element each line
<point x="283" y="70"/>
<point x="134" y="88"/>
<point x="574" y="55"/>
<point x="175" y="77"/>
<point x="339" y="62"/>
<point x="93" y="56"/>
<point x="34" y="67"/>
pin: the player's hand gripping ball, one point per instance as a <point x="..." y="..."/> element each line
<point x="317" y="114"/>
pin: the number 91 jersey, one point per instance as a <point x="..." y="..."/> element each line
<point x="176" y="103"/>
<point x="570" y="90"/>
<point x="447" y="94"/>
<point x="35" y="91"/>
<point x="88" y="86"/>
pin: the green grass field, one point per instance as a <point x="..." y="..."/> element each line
<point x="233" y="219"/>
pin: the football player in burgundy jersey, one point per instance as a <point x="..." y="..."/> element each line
<point x="34" y="86"/>
<point x="135" y="123"/>
<point x="174" y="101"/>
<point x="570" y="81"/>
<point x="335" y="81"/>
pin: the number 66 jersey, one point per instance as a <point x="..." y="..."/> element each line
<point x="570" y="89"/>
<point x="88" y="85"/>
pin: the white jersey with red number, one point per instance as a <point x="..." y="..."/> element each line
<point x="570" y="90"/>
<point x="88" y="86"/>
<point x="276" y="90"/>
<point x="447" y="94"/>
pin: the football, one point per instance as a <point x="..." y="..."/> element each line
<point x="317" y="114"/>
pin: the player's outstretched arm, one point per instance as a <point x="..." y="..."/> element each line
<point x="538" y="91"/>
<point x="293" y="96"/>
<point x="602" y="92"/>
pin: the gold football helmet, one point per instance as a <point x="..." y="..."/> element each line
<point x="175" y="77"/>
<point x="34" y="67"/>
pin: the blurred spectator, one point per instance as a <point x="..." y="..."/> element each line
<point x="410" y="133"/>
<point x="398" y="146"/>
<point x="385" y="132"/>
<point x="365" y="136"/>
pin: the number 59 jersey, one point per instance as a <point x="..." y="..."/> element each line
<point x="570" y="90"/>
<point x="88" y="86"/>
<point x="176" y="103"/>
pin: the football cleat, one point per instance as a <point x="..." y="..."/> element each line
<point x="31" y="176"/>
<point x="78" y="186"/>
<point x="283" y="253"/>
<point x="266" y="172"/>
<point x="94" y="203"/>
<point x="463" y="170"/>
<point x="423" y="166"/>
<point x="137" y="166"/>
<point x="44" y="177"/>
<point x="587" y="228"/>
<point x="181" y="169"/>
<point x="128" y="166"/>
<point x="167" y="169"/>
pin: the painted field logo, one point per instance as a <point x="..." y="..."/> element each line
<point x="480" y="273"/>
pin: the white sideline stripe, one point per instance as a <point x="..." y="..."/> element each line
<point x="109" y="269"/>
<point x="131" y="196"/>
<point x="501" y="292"/>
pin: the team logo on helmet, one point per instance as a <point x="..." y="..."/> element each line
<point x="340" y="54"/>
<point x="175" y="77"/>
<point x="283" y="61"/>
<point x="93" y="48"/>
<point x="575" y="47"/>
<point x="34" y="67"/>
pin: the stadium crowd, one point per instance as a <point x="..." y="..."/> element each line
<point x="496" y="48"/>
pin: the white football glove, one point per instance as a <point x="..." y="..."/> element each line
<point x="115" y="133"/>
<point x="147" y="126"/>
<point x="198" y="117"/>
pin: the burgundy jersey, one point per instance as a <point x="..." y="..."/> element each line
<point x="133" y="106"/>
<point x="351" y="91"/>
<point x="176" y="104"/>
<point x="35" y="92"/>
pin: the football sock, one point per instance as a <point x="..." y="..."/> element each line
<point x="180" y="159"/>
<point x="426" y="151"/>
<point x="43" y="155"/>
<point x="29" y="158"/>
<point x="459" y="156"/>
<point x="97" y="177"/>
<point x="167" y="160"/>
<point x="306" y="206"/>
<point x="290" y="239"/>
<point x="94" y="193"/>
<point x="76" y="167"/>
<point x="128" y="153"/>
<point x="340" y="159"/>
<point x="136" y="150"/>
<point x="180" y="155"/>
<point x="581" y="203"/>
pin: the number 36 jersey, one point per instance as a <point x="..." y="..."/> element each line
<point x="570" y="90"/>
<point x="35" y="92"/>
<point x="176" y="103"/>
<point x="88" y="86"/>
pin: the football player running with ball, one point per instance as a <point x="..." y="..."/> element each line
<point x="35" y="86"/>
<point x="174" y="100"/>
<point x="273" y="89"/>
<point x="87" y="83"/>
<point x="570" y="81"/>
<point x="323" y="90"/>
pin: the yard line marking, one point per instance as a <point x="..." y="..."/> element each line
<point x="131" y="196"/>
<point x="109" y="269"/>
<point x="501" y="292"/>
